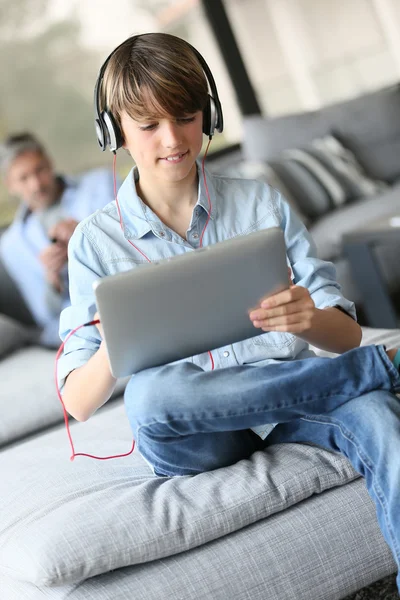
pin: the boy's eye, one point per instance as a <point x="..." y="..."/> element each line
<point x="148" y="127"/>
<point x="186" y="120"/>
<point x="181" y="120"/>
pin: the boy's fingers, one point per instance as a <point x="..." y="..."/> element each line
<point x="294" y="318"/>
<point x="294" y="293"/>
<point x="282" y="310"/>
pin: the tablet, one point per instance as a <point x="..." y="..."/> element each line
<point x="179" y="307"/>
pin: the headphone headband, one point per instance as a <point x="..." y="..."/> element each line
<point x="109" y="134"/>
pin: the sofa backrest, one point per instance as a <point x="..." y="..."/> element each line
<point x="369" y="126"/>
<point x="11" y="302"/>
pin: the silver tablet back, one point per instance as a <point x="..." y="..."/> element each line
<point x="180" y="307"/>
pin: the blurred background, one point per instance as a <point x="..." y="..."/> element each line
<point x="298" y="54"/>
<point x="311" y="99"/>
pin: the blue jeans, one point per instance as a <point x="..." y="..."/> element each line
<point x="186" y="420"/>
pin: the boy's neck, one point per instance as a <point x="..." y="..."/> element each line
<point x="169" y="198"/>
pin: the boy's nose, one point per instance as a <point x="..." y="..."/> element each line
<point x="171" y="136"/>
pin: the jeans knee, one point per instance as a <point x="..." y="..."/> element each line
<point x="149" y="392"/>
<point x="138" y="398"/>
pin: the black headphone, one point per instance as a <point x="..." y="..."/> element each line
<point x="107" y="130"/>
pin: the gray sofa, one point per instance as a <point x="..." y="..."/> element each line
<point x="294" y="521"/>
<point x="369" y="128"/>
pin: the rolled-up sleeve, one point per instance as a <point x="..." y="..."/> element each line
<point x="84" y="269"/>
<point x="317" y="275"/>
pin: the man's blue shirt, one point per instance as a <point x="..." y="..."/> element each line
<point x="26" y="237"/>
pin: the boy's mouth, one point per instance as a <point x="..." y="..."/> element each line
<point x="175" y="158"/>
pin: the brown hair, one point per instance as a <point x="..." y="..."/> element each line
<point x="153" y="75"/>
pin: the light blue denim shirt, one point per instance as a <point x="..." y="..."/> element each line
<point x="26" y="237"/>
<point x="98" y="248"/>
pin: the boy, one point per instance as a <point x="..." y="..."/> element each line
<point x="199" y="414"/>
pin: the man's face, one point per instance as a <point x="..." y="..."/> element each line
<point x="164" y="149"/>
<point x="30" y="177"/>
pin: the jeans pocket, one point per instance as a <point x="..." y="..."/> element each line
<point x="269" y="345"/>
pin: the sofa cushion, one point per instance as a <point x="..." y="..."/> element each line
<point x="11" y="302"/>
<point x="265" y="139"/>
<point x="337" y="169"/>
<point x="310" y="196"/>
<point x="323" y="175"/>
<point x="14" y="335"/>
<point x="88" y="517"/>
<point x="326" y="547"/>
<point x="28" y="399"/>
<point x="368" y="125"/>
<point x="327" y="232"/>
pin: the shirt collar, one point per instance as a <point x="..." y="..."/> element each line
<point x="139" y="219"/>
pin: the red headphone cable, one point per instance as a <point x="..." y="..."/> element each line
<point x="96" y="321"/>
<point x="61" y="348"/>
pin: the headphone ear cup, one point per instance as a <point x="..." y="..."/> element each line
<point x="210" y="117"/>
<point x="100" y="133"/>
<point x="113" y="135"/>
<point x="207" y="117"/>
<point x="213" y="116"/>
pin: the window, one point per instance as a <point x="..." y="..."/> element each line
<point x="302" y="54"/>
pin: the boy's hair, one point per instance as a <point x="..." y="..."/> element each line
<point x="152" y="76"/>
<point x="18" y="144"/>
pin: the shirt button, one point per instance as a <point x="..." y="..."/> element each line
<point x="195" y="236"/>
<point x="226" y="353"/>
<point x="162" y="233"/>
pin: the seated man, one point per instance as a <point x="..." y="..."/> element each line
<point x="34" y="247"/>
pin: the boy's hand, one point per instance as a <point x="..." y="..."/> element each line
<point x="291" y="311"/>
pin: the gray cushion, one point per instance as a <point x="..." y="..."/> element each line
<point x="11" y="301"/>
<point x="326" y="547"/>
<point x="28" y="399"/>
<point x="89" y="517"/>
<point x="328" y="231"/>
<point x="342" y="164"/>
<point x="368" y="125"/>
<point x="14" y="335"/>
<point x="311" y="197"/>
<point x="265" y="139"/>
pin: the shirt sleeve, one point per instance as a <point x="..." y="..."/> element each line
<point x="317" y="275"/>
<point x="84" y="269"/>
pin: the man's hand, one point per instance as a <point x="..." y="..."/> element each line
<point x="62" y="231"/>
<point x="291" y="311"/>
<point x="53" y="258"/>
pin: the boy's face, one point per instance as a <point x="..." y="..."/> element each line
<point x="165" y="148"/>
